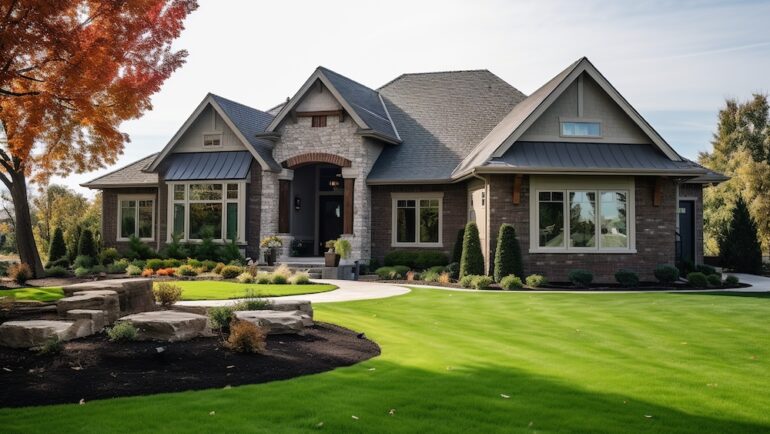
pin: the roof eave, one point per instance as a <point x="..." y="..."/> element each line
<point x="586" y="171"/>
<point x="379" y="136"/>
<point x="125" y="185"/>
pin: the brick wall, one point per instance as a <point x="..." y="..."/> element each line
<point x="455" y="215"/>
<point x="655" y="228"/>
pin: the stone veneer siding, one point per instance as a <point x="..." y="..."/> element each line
<point x="110" y="214"/>
<point x="454" y="214"/>
<point x="695" y="191"/>
<point x="655" y="227"/>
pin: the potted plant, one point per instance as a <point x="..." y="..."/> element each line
<point x="270" y="244"/>
<point x="331" y="258"/>
<point x="342" y="248"/>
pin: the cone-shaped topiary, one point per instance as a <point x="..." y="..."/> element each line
<point x="472" y="260"/>
<point x="457" y="252"/>
<point x="739" y="247"/>
<point x="507" y="253"/>
<point x="58" y="249"/>
<point x="73" y="242"/>
<point x="87" y="247"/>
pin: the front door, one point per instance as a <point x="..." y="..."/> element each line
<point x="687" y="230"/>
<point x="330" y="219"/>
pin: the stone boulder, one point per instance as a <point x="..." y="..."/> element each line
<point x="104" y="300"/>
<point x="96" y="317"/>
<point x="34" y="333"/>
<point x="135" y="295"/>
<point x="168" y="325"/>
<point x="276" y="321"/>
<point x="303" y="306"/>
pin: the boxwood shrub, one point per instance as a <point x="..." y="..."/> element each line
<point x="666" y="274"/>
<point x="714" y="280"/>
<point x="732" y="281"/>
<point x="536" y="280"/>
<point x="416" y="260"/>
<point x="627" y="278"/>
<point x="511" y="282"/>
<point x="697" y="280"/>
<point x="581" y="278"/>
<point x="483" y="282"/>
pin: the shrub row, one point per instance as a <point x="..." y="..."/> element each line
<point x="416" y="260"/>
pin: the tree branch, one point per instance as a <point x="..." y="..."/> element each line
<point x="11" y="93"/>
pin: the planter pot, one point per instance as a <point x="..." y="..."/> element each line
<point x="331" y="259"/>
<point x="270" y="258"/>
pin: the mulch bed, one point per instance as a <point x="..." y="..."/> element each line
<point x="95" y="368"/>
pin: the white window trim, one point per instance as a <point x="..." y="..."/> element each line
<point x="584" y="121"/>
<point x="596" y="184"/>
<point x="395" y="197"/>
<point x="212" y="133"/>
<point x="241" y="201"/>
<point x="137" y="198"/>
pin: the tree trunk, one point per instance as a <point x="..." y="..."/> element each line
<point x="25" y="240"/>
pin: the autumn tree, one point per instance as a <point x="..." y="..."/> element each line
<point x="71" y="71"/>
<point x="741" y="150"/>
<point x="56" y="206"/>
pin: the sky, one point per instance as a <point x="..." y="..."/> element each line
<point x="675" y="61"/>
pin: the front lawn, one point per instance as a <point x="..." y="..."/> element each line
<point x="219" y="290"/>
<point x="491" y="362"/>
<point x="33" y="294"/>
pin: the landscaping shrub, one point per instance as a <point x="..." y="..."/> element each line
<point x="535" y="280"/>
<point x="507" y="253"/>
<point x="138" y="249"/>
<point x="133" y="270"/>
<point x="627" y="278"/>
<point x="20" y="273"/>
<point x="61" y="262"/>
<point x="198" y="264"/>
<point x="122" y="332"/>
<point x="175" y="249"/>
<point x="186" y="270"/>
<point x="207" y="249"/>
<point x="230" y="271"/>
<point x="300" y="279"/>
<point x="581" y="278"/>
<point x="444" y="278"/>
<point x="457" y="250"/>
<point x="83" y="261"/>
<point x="283" y="270"/>
<point x="82" y="272"/>
<point x="429" y="259"/>
<point x="155" y="264"/>
<point x="400" y="257"/>
<point x="58" y="249"/>
<point x="118" y="267"/>
<point x="708" y="270"/>
<point x="217" y="268"/>
<point x="262" y="278"/>
<point x="511" y="282"/>
<point x="87" y="246"/>
<point x="172" y="263"/>
<point x="166" y="272"/>
<point x="231" y="252"/>
<point x="220" y="317"/>
<point x="438" y="269"/>
<point x="108" y="256"/>
<point x="56" y="272"/>
<point x="714" y="280"/>
<point x="245" y="277"/>
<point x="739" y="247"/>
<point x="697" y="280"/>
<point x="246" y="337"/>
<point x="483" y="282"/>
<point x="253" y="302"/>
<point x="139" y="263"/>
<point x="430" y="276"/>
<point x="384" y="273"/>
<point x="412" y="276"/>
<point x="399" y="271"/>
<point x="472" y="261"/>
<point x="73" y="239"/>
<point x="732" y="281"/>
<point x="467" y="281"/>
<point x="166" y="293"/>
<point x="52" y="346"/>
<point x="98" y="268"/>
<point x="278" y="279"/>
<point x="454" y="270"/>
<point x="685" y="268"/>
<point x="666" y="274"/>
<point x="147" y="272"/>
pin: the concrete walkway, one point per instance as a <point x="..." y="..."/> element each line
<point x="347" y="290"/>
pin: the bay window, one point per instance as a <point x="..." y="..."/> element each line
<point x="201" y="208"/>
<point x="136" y="217"/>
<point x="417" y="219"/>
<point x="594" y="215"/>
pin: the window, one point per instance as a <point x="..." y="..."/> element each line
<point x="136" y="216"/>
<point x="200" y="208"/>
<point x="583" y="219"/>
<point x="417" y="219"/>
<point x="318" y="121"/>
<point x="212" y="140"/>
<point x="581" y="129"/>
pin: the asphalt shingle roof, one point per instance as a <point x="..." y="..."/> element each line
<point x="128" y="176"/>
<point x="440" y="117"/>
<point x="250" y="122"/>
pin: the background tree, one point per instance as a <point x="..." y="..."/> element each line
<point x="7" y="223"/>
<point x="472" y="260"/>
<point x="70" y="72"/>
<point x="739" y="247"/>
<point x="507" y="253"/>
<point x="741" y="150"/>
<point x="56" y="206"/>
<point x="58" y="249"/>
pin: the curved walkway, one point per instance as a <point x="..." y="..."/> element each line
<point x="347" y="290"/>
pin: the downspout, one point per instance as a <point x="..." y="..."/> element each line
<point x="485" y="251"/>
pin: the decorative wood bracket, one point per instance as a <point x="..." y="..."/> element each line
<point x="517" y="189"/>
<point x="657" y="196"/>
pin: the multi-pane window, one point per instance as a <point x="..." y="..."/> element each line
<point x="212" y="140"/>
<point x="136" y="217"/>
<point x="201" y="209"/>
<point x="318" y="121"/>
<point x="417" y="221"/>
<point x="587" y="220"/>
<point x="581" y="129"/>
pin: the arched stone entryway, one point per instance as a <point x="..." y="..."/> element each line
<point x="315" y="158"/>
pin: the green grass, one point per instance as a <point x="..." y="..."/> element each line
<point x="33" y="294"/>
<point x="219" y="290"/>
<point x="604" y="363"/>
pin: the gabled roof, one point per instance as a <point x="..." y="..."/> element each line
<point x="132" y="175"/>
<point x="363" y="104"/>
<point x="515" y="123"/>
<point x="246" y="123"/>
<point x="441" y="116"/>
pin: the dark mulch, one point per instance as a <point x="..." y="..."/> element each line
<point x="95" y="368"/>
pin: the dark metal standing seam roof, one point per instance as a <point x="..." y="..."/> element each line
<point x="208" y="166"/>
<point x="589" y="156"/>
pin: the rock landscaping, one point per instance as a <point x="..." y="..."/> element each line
<point x="275" y="321"/>
<point x="168" y="325"/>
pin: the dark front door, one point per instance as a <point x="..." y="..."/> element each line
<point x="687" y="230"/>
<point x="330" y="219"/>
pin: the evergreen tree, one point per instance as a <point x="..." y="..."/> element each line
<point x="74" y="243"/>
<point x="457" y="251"/>
<point x="58" y="249"/>
<point x="472" y="260"/>
<point x="507" y="253"/>
<point x="739" y="246"/>
<point x="87" y="246"/>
